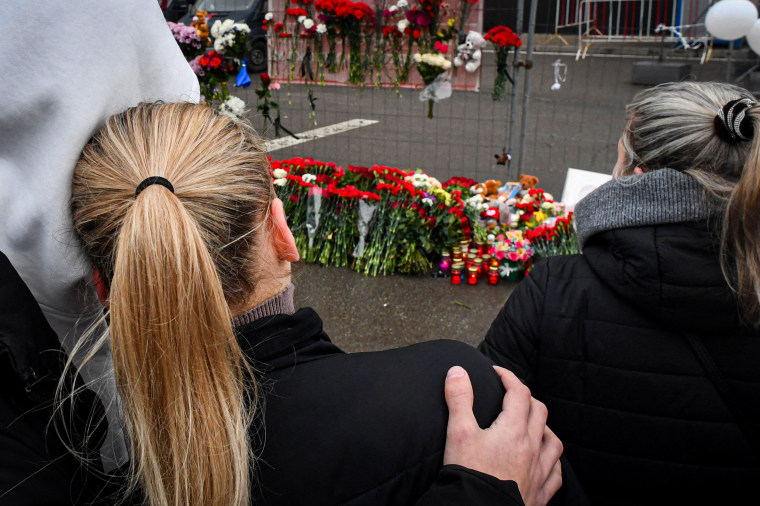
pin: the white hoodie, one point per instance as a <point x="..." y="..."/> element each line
<point x="65" y="67"/>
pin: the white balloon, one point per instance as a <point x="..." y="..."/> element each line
<point x="731" y="19"/>
<point x="753" y="37"/>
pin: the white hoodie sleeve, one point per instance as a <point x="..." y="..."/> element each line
<point x="66" y="67"/>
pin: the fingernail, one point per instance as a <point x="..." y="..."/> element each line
<point x="455" y="372"/>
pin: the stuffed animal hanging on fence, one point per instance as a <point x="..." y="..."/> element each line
<point x="469" y="53"/>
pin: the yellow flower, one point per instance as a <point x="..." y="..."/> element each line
<point x="539" y="216"/>
<point x="440" y="193"/>
<point x="451" y="22"/>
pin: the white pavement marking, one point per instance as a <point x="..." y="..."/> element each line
<point x="318" y="133"/>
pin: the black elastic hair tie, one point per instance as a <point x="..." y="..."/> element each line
<point x="153" y="180"/>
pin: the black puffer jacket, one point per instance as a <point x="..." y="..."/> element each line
<point x="599" y="338"/>
<point x="341" y="429"/>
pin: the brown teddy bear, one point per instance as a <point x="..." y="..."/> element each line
<point x="528" y="182"/>
<point x="491" y="189"/>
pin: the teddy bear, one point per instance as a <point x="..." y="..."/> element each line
<point x="469" y="53"/>
<point x="528" y="182"/>
<point x="487" y="190"/>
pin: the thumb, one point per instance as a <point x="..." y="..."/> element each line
<point x="459" y="397"/>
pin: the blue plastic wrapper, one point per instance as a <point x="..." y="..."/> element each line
<point x="243" y="79"/>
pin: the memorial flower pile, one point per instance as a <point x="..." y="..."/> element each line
<point x="381" y="220"/>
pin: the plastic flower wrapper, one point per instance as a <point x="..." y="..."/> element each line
<point x="313" y="205"/>
<point x="434" y="67"/>
<point x="243" y="79"/>
<point x="233" y="107"/>
<point x="364" y="218"/>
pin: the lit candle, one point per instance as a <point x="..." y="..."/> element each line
<point x="480" y="247"/>
<point x="471" y="256"/>
<point x="456" y="273"/>
<point x="464" y="244"/>
<point x="445" y="264"/>
<point x="493" y="275"/>
<point x="472" y="275"/>
<point x="478" y="263"/>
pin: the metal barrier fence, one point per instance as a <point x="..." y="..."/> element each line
<point x="628" y="20"/>
<point x="572" y="117"/>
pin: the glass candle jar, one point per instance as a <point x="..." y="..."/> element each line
<point x="493" y="275"/>
<point x="480" y="247"/>
<point x="445" y="263"/>
<point x="464" y="245"/>
<point x="472" y="275"/>
<point x="478" y="263"/>
<point x="456" y="273"/>
<point x="471" y="256"/>
<point x="486" y="260"/>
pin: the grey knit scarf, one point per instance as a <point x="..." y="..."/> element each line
<point x="660" y="196"/>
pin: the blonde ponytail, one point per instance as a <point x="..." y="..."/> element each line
<point x="174" y="264"/>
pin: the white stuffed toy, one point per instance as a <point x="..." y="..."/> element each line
<point x="470" y="52"/>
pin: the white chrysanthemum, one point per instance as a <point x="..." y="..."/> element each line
<point x="216" y="29"/>
<point x="548" y="196"/>
<point x="233" y="107"/>
<point x="321" y="28"/>
<point x="301" y="19"/>
<point x="280" y="182"/>
<point x="241" y="27"/>
<point x="308" y="178"/>
<point x="308" y="23"/>
<point x="427" y="201"/>
<point x="417" y="57"/>
<point x="279" y="173"/>
<point x="269" y="16"/>
<point x="392" y="9"/>
<point x="402" y="4"/>
<point x="402" y="25"/>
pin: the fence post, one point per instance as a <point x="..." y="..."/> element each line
<point x="526" y="87"/>
<point x="515" y="79"/>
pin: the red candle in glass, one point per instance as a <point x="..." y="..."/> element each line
<point x="493" y="275"/>
<point x="456" y="274"/>
<point x="478" y="262"/>
<point x="472" y="275"/>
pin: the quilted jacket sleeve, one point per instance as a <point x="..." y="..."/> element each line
<point x="457" y="486"/>
<point x="513" y="339"/>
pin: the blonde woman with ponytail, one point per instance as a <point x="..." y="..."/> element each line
<point x="229" y="395"/>
<point x="646" y="347"/>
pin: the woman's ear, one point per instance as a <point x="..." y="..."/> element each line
<point x="638" y="170"/>
<point x="100" y="287"/>
<point x="284" y="243"/>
